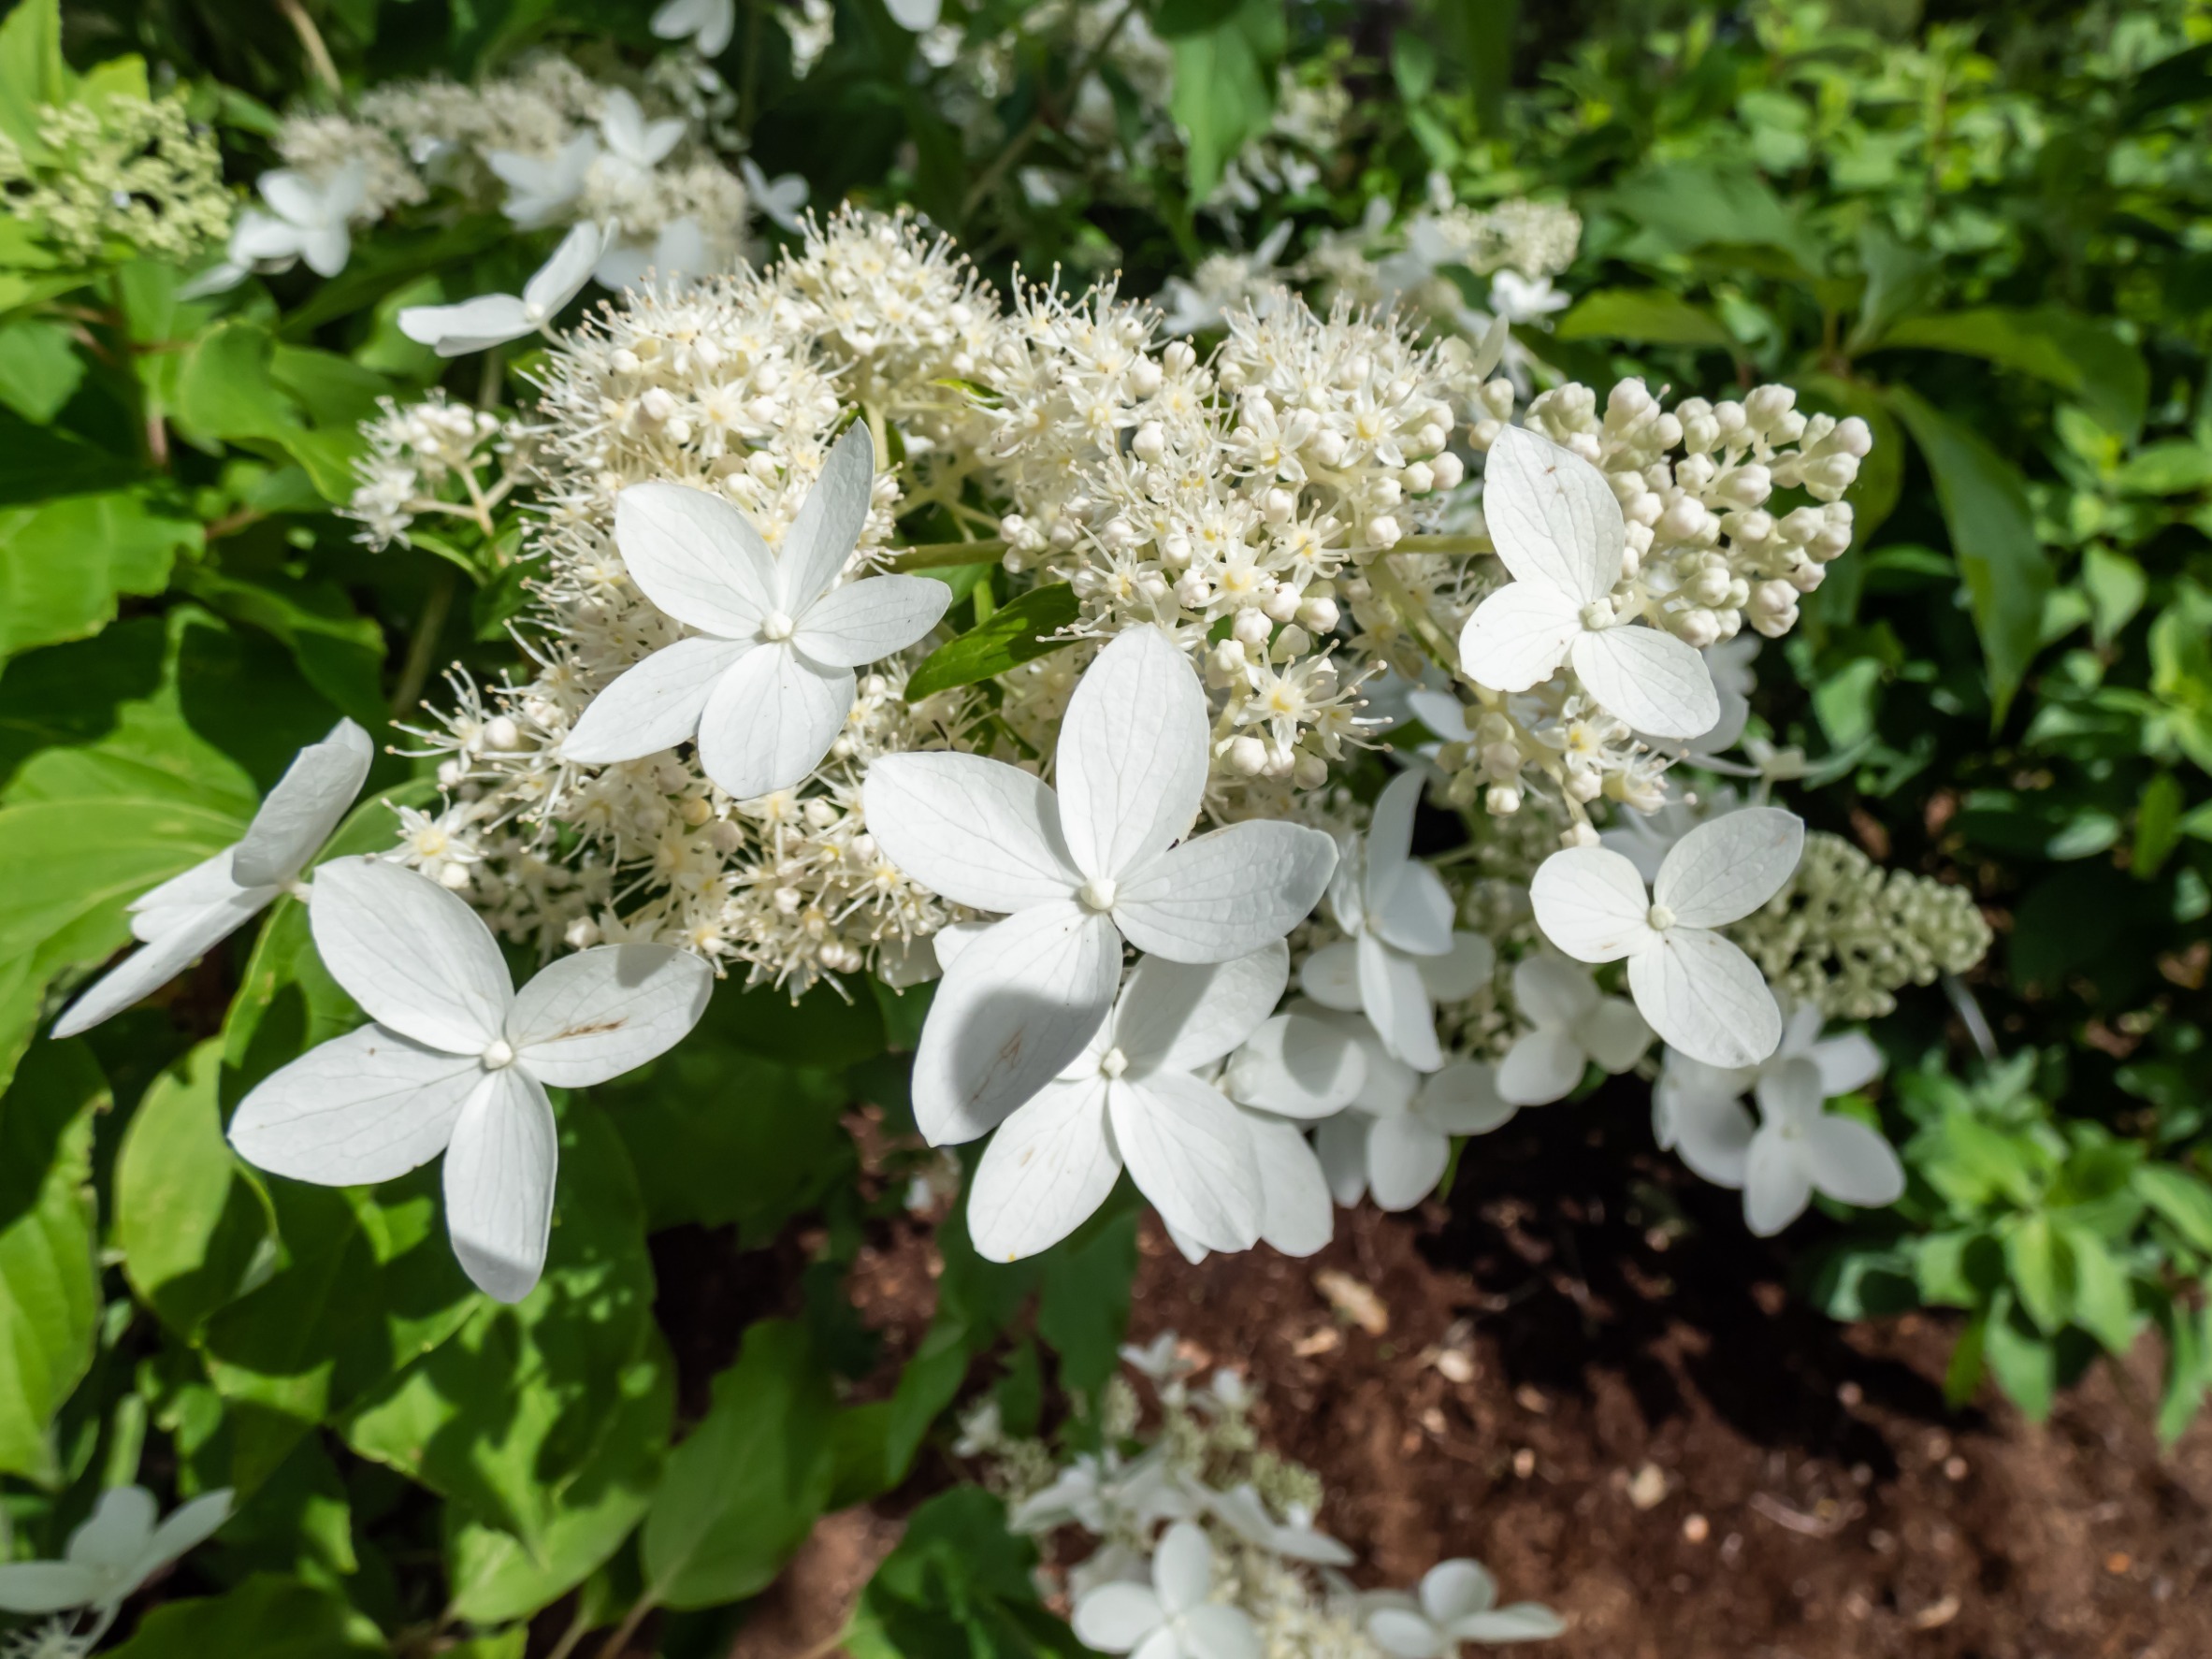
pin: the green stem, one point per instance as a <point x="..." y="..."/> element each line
<point x="415" y="672"/>
<point x="612" y="1648"/>
<point x="1443" y="544"/>
<point x="1411" y="612"/>
<point x="943" y="555"/>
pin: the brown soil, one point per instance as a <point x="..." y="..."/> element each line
<point x="1631" y="1421"/>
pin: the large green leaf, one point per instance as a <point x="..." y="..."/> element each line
<point x="1984" y="506"/>
<point x="536" y="1410"/>
<point x="742" y="1492"/>
<point x="62" y="564"/>
<point x="1224" y="88"/>
<point x="2077" y="355"/>
<point x="31" y="68"/>
<point x="1650" y="316"/>
<point x="264" y="1618"/>
<point x="40" y="368"/>
<point x="50" y="1283"/>
<point x="1027" y="629"/>
<point x="960" y="1583"/>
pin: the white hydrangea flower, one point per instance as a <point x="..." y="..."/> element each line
<point x="708" y="24"/>
<point x="1075" y="872"/>
<point x="631" y="146"/>
<point x="1131" y="1097"/>
<point x="1458" y="1602"/>
<point x="1571" y="1026"/>
<point x="1559" y="529"/>
<point x="1396" y="1138"/>
<point x="114" y="1552"/>
<point x="779" y="198"/>
<point x="1243" y="1511"/>
<point x="189" y="914"/>
<point x="1403" y="956"/>
<point x="542" y="190"/>
<point x="1105" y="1495"/>
<point x="1694" y="986"/>
<point x="305" y="219"/>
<point x="1172" y="1617"/>
<point x="678" y="250"/>
<point x="1800" y="1148"/>
<point x="493" y="319"/>
<point x="458" y="1061"/>
<point x="767" y="683"/>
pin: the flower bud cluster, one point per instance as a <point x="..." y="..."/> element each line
<point x="1708" y="553"/>
<point x="428" y="457"/>
<point x="124" y="170"/>
<point x="1846" y="935"/>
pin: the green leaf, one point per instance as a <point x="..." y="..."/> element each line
<point x="2042" y="1259"/>
<point x="2085" y="358"/>
<point x="1172" y="19"/>
<point x="2177" y="466"/>
<point x="2025" y="1365"/>
<point x="959" y="1584"/>
<point x="1225" y="90"/>
<point x="1083" y="1305"/>
<point x="1728" y="212"/>
<point x="31" y="68"/>
<point x="1017" y="633"/>
<point x="50" y="1283"/>
<point x="2103" y="1304"/>
<point x="63" y="564"/>
<point x="742" y="1492"/>
<point x="193" y="1236"/>
<point x="1984" y="506"/>
<point x="39" y="463"/>
<point x="2188" y="1365"/>
<point x="2117" y="588"/>
<point x="535" y="1413"/>
<point x="1649" y="316"/>
<point x="264" y="1618"/>
<point x="340" y="652"/>
<point x="2184" y="1200"/>
<point x="226" y="389"/>
<point x="2158" y="825"/>
<point x="39" y="369"/>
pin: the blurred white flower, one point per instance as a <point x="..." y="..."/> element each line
<point x="1458" y="1602"/>
<point x="458" y="1061"/>
<point x="113" y="1552"/>
<point x="708" y="24"/>
<point x="542" y="190"/>
<point x="780" y="199"/>
<point x="1396" y="1139"/>
<point x="304" y="219"/>
<point x="1694" y="986"/>
<point x="1170" y="1618"/>
<point x="493" y="319"/>
<point x="1570" y="1027"/>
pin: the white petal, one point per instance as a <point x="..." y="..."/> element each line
<point x="1405" y="1634"/>
<point x="177" y="901"/>
<point x="697" y="557"/>
<point x="1614" y="1034"/>
<point x="1406" y="1159"/>
<point x="1390" y="837"/>
<point x="1179" y="1016"/>
<point x="1851" y="1163"/>
<point x="1297" y="1067"/>
<point x="654" y="705"/>
<point x="1331" y="977"/>
<point x="1417" y="914"/>
<point x="561" y="278"/>
<point x="1553" y="991"/>
<point x="368" y="1106"/>
<point x="1182" y="1567"/>
<point x="1299" y="1218"/>
<point x="473" y="326"/>
<point x="1451" y="1590"/>
<point x="915" y="16"/>
<point x="607" y="1011"/>
<point x="1551" y="516"/>
<point x="1704" y="996"/>
<point x="769" y="720"/>
<point x="1012" y="1010"/>
<point x="1398" y="1004"/>
<point x="1189" y="1152"/>
<point x="1775" y="1187"/>
<point x="1214" y="1630"/>
<point x="1463" y="1099"/>
<point x="191" y="1526"/>
<point x="304" y="808"/>
<point x="1728" y="867"/>
<point x="1341" y="1145"/>
<point x="948" y="942"/>
<point x="1227" y="892"/>
<point x="1591" y="903"/>
<point x="414" y="956"/>
<point x="1462" y="970"/>
<point x="863" y="621"/>
<point x="1848" y="1061"/>
<point x="1711" y="1133"/>
<point x="1047" y="1170"/>
<point x="1543" y="1066"/>
<point x="118" y="1531"/>
<point x="34" y="1587"/>
<point x="1441" y="713"/>
<point x="1132" y="760"/>
<point x="326" y="248"/>
<point x="499" y="1184"/>
<point x="145" y="970"/>
<point x="1656" y="682"/>
<point x="980" y="832"/>
<point x="1789" y="1093"/>
<point x="1519" y="635"/>
<point x="1114" y="1617"/>
<point x="1522" y="1621"/>
<point x="829" y="521"/>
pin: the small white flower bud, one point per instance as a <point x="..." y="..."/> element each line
<point x="1420" y="478"/>
<point x="1193" y="592"/>
<point x="1150" y="441"/>
<point x="1252" y="628"/>
<point x="1179" y="358"/>
<point x="1699" y="627"/>
<point x="1319" y="615"/>
<point x="1384" y="531"/>
<point x="1447" y="471"/>
<point x="1296" y="641"/>
<point x="1282" y="602"/>
<point x="1249" y="756"/>
<point x="1502" y="800"/>
<point x="1311" y="772"/>
<point x="1767" y="405"/>
<point x="1278" y="505"/>
<point x="1144" y="376"/>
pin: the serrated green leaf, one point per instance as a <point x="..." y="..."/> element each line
<point x="1017" y="633"/>
<point x="50" y="1283"/>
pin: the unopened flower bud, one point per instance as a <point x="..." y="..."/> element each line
<point x="1319" y="615"/>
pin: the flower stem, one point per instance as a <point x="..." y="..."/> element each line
<point x="415" y="672"/>
<point x="310" y="40"/>
<point x="942" y="556"/>
<point x="1443" y="544"/>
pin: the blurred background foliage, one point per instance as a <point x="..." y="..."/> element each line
<point x="1989" y="232"/>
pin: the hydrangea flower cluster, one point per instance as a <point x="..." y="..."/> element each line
<point x="1193" y="1538"/>
<point x="434" y="458"/>
<point x="121" y="170"/>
